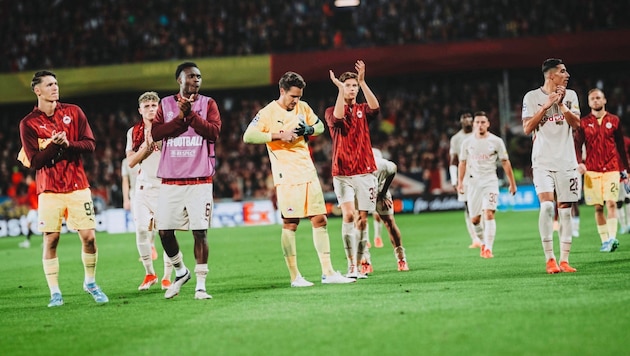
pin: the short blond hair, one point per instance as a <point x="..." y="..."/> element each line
<point x="148" y="96"/>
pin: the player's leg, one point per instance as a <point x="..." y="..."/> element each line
<point x="395" y="237"/>
<point x="378" y="227"/>
<point x="611" y="180"/>
<point x="321" y="241"/>
<point x="51" y="209"/>
<point x="199" y="208"/>
<point x="171" y="215"/>
<point x="545" y="186"/>
<point x="463" y="197"/>
<point x="567" y="192"/>
<point x="475" y="199"/>
<point x="365" y="185"/>
<point x="143" y="219"/>
<point x="289" y="198"/>
<point x="489" y="206"/>
<point x="346" y="200"/>
<point x="81" y="217"/>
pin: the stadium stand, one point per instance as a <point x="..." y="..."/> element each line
<point x="418" y="111"/>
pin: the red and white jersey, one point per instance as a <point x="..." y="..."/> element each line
<point x="352" y="147"/>
<point x="59" y="170"/>
<point x="605" y="151"/>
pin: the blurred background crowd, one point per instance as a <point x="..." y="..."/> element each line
<point x="419" y="111"/>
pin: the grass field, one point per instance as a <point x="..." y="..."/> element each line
<point x="451" y="301"/>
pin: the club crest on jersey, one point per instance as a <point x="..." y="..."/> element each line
<point x="170" y="115"/>
<point x="359" y="114"/>
<point x="66" y="120"/>
<point x="608" y="125"/>
<point x="568" y="104"/>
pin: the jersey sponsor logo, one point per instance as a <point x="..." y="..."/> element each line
<point x="557" y="118"/>
<point x="185" y="141"/>
<point x="66" y="120"/>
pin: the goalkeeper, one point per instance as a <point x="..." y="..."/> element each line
<point x="284" y="125"/>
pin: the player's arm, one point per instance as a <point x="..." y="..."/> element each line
<point x="571" y="114"/>
<point x="367" y="92"/>
<point x="85" y="141"/>
<point x="173" y="128"/>
<point x="125" y="191"/>
<point x="531" y="121"/>
<point x="209" y="128"/>
<point x="391" y="173"/>
<point x="578" y="140"/>
<point x="136" y="157"/>
<point x="452" y="169"/>
<point x="507" y="168"/>
<point x="570" y="117"/>
<point x="461" y="174"/>
<point x="338" y="112"/>
<point x="257" y="132"/>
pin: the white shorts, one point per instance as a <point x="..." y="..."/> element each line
<point x="361" y="189"/>
<point x="144" y="207"/>
<point x="482" y="196"/>
<point x="566" y="184"/>
<point x="184" y="207"/>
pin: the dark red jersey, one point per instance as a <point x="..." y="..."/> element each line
<point x="352" y="147"/>
<point x="59" y="170"/>
<point x="605" y="149"/>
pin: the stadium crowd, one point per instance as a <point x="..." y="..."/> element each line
<point x="418" y="116"/>
<point x="57" y="34"/>
<point x="418" y="112"/>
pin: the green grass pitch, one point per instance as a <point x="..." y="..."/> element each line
<point x="451" y="302"/>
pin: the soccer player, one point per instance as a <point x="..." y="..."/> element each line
<point x="188" y="124"/>
<point x="386" y="170"/>
<point x="284" y="125"/>
<point x="478" y="161"/>
<point x="54" y="135"/>
<point x="353" y="162"/>
<point x="601" y="134"/>
<point x="466" y="121"/>
<point x="31" y="216"/>
<point x="143" y="153"/>
<point x="550" y="114"/>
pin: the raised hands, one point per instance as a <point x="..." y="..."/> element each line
<point x="335" y="80"/>
<point x="360" y="67"/>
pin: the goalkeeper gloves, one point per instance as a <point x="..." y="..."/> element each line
<point x="303" y="129"/>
